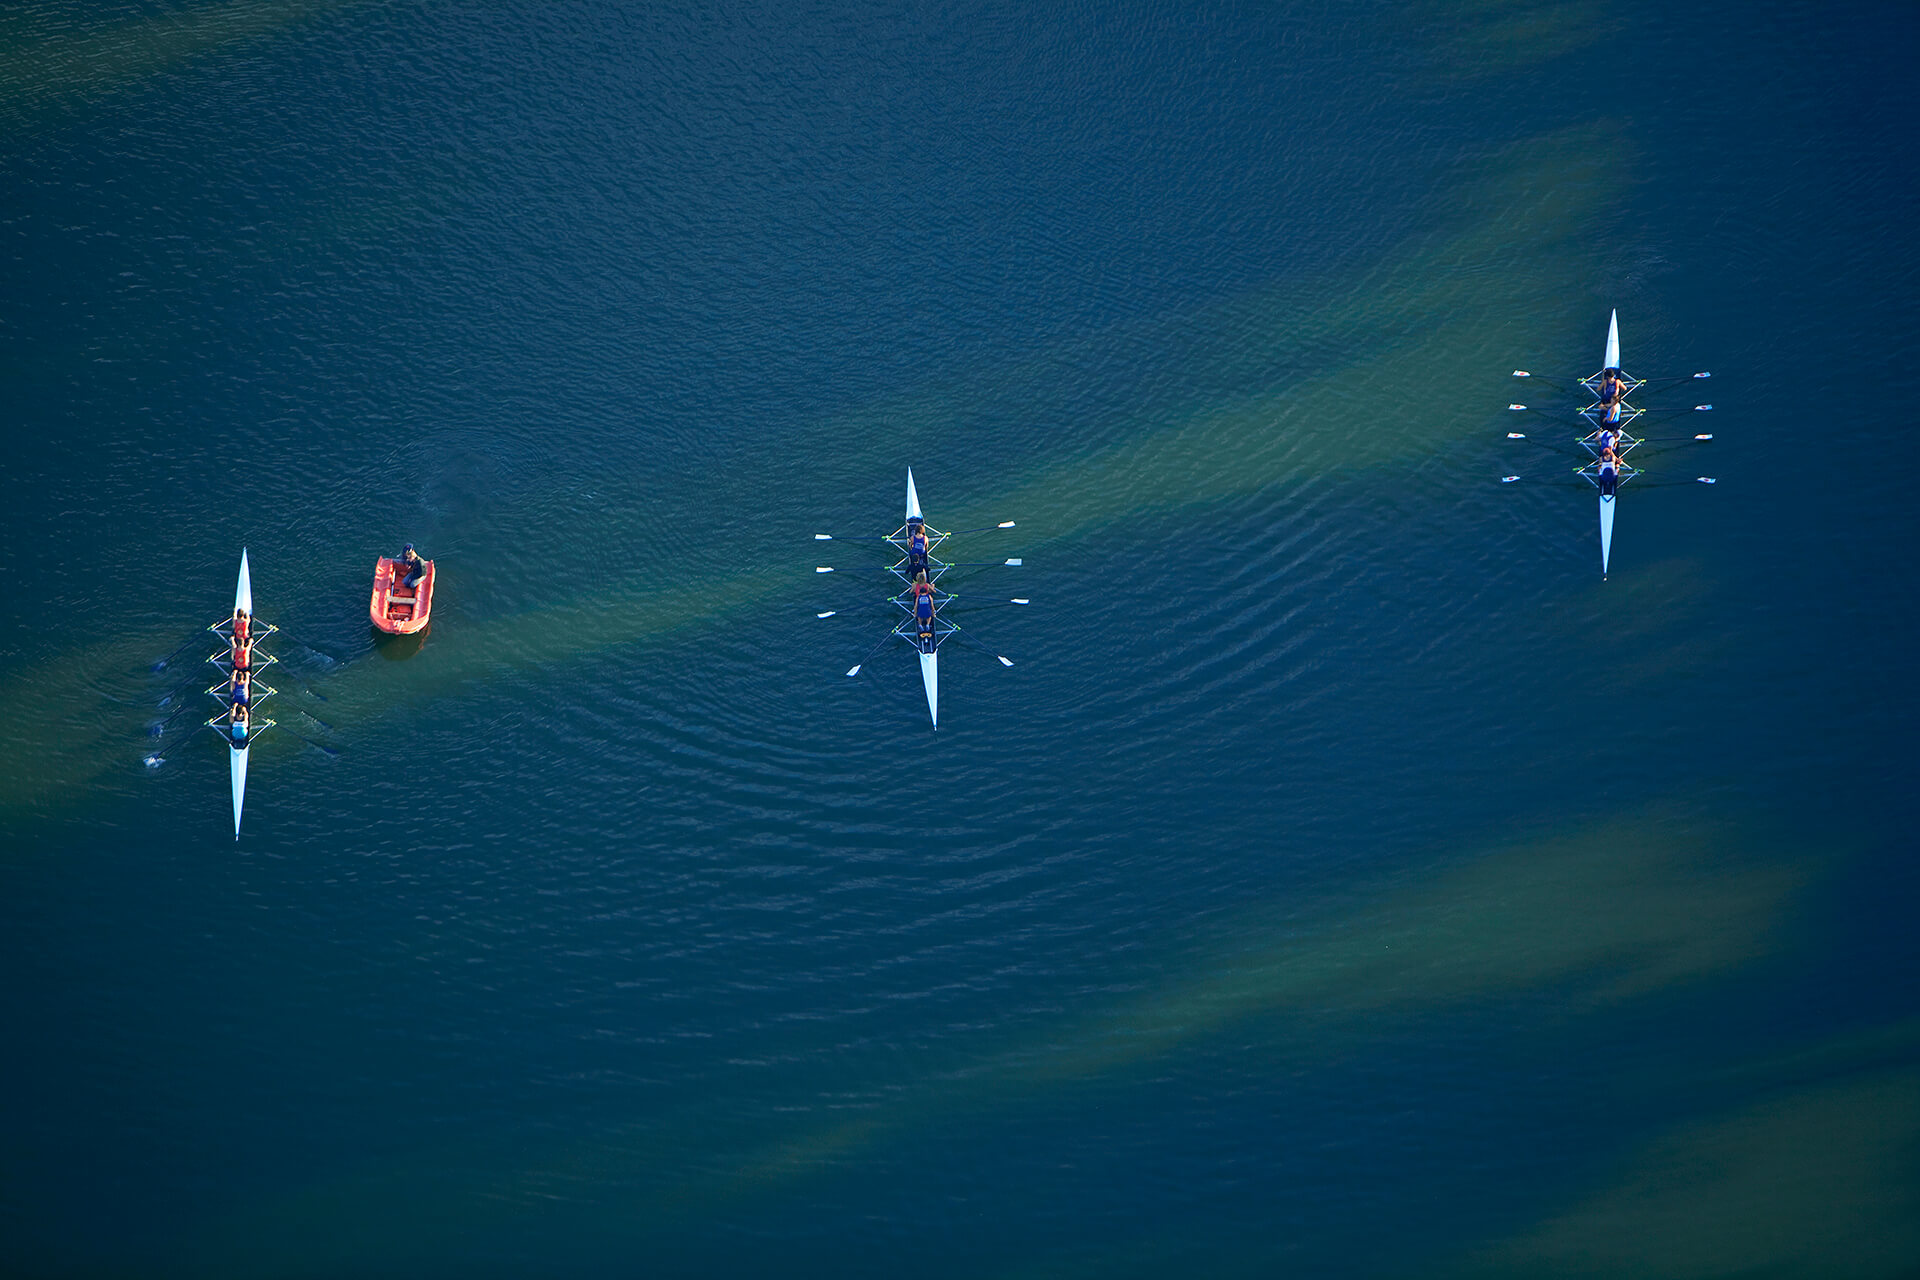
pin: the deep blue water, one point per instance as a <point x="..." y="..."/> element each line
<point x="1344" y="879"/>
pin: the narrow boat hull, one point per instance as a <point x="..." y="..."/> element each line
<point x="237" y="766"/>
<point x="930" y="677"/>
<point x="1613" y="342"/>
<point x="395" y="608"/>
<point x="1606" y="531"/>
<point x="243" y="594"/>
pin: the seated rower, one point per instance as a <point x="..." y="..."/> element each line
<point x="242" y="655"/>
<point x="916" y="547"/>
<point x="923" y="592"/>
<point x="1609" y="474"/>
<point x="1613" y="395"/>
<point x="410" y="560"/>
<point x="240" y="689"/>
<point x="1608" y="439"/>
<point x="242" y="627"/>
<point x="236" y="727"/>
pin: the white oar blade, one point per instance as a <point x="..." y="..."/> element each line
<point x="854" y="670"/>
<point x="823" y="568"/>
<point x="1006" y="524"/>
<point x="823" y="537"/>
<point x="1005" y="662"/>
<point x="1014" y="562"/>
<point x="828" y="614"/>
<point x="1018" y="600"/>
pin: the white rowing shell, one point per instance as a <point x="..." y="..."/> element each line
<point x="930" y="677"/>
<point x="1606" y="532"/>
<point x="237" y="766"/>
<point x="243" y="595"/>
<point x="237" y="756"/>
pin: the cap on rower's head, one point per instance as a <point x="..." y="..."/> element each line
<point x="406" y="548"/>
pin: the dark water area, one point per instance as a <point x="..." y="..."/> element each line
<point x="1344" y="879"/>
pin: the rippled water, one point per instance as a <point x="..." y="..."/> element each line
<point x="1344" y="879"/>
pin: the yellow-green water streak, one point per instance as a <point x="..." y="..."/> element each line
<point x="1608" y="915"/>
<point x="42" y="68"/>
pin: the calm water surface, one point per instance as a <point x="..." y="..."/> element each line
<point x="1345" y="880"/>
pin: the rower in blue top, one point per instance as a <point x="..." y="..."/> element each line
<point x="923" y="593"/>
<point x="916" y="547"/>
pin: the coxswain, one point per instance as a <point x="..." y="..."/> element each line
<point x="923" y="608"/>
<point x="410" y="560"/>
<point x="1609" y="473"/>
<point x="916" y="546"/>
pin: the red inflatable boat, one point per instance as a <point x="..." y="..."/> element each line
<point x="397" y="608"/>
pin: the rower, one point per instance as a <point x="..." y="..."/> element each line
<point x="1608" y="439"/>
<point x="923" y="608"/>
<point x="237" y="724"/>
<point x="242" y="626"/>
<point x="1609" y="473"/>
<point x="410" y="560"/>
<point x="1613" y="395"/>
<point x="240" y="688"/>
<point x="916" y="546"/>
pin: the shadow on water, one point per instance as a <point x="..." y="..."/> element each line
<point x="397" y="648"/>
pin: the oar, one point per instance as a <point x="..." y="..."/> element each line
<point x="966" y="639"/>
<point x="965" y="603"/>
<point x="985" y="528"/>
<point x="854" y="670"/>
<point x="1548" y="445"/>
<point x="162" y="664"/>
<point x="1672" y="380"/>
